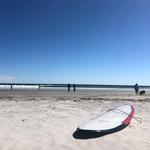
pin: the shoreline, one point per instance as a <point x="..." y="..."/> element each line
<point x="112" y="95"/>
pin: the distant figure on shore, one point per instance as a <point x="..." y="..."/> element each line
<point x="68" y="87"/>
<point x="74" y="87"/>
<point x="136" y="89"/>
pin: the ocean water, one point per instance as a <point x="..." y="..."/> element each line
<point x="64" y="87"/>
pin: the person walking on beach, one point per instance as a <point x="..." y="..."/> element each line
<point x="68" y="87"/>
<point x="136" y="89"/>
<point x="74" y="87"/>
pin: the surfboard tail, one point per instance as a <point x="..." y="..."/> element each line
<point x="128" y="119"/>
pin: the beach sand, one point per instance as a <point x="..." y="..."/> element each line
<point x="46" y="120"/>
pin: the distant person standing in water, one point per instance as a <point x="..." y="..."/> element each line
<point x="136" y="89"/>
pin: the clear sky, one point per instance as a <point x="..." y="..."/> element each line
<point x="76" y="41"/>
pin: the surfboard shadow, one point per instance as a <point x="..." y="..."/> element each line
<point x="78" y="134"/>
<point x="85" y="134"/>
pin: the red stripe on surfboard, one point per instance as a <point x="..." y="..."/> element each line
<point x="128" y="119"/>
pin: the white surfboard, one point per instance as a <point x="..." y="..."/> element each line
<point x="110" y="121"/>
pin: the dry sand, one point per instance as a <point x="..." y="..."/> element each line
<point x="46" y="120"/>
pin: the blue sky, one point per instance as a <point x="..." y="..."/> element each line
<point x="76" y="41"/>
